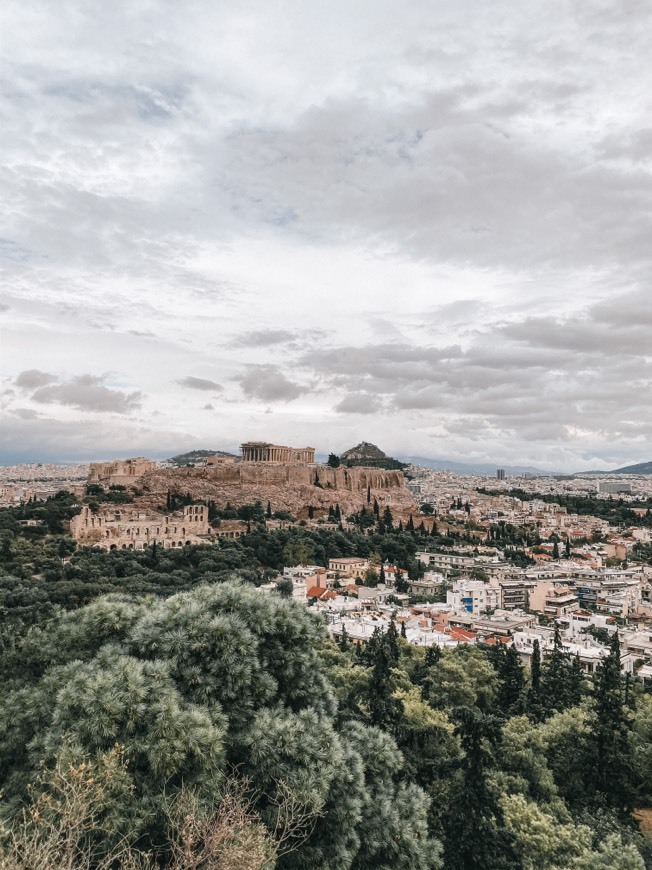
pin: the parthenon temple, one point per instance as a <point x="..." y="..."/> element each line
<point x="261" y="451"/>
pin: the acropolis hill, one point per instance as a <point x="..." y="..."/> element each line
<point x="291" y="484"/>
<point x="286" y="487"/>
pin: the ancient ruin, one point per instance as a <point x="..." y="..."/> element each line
<point x="262" y="451"/>
<point x="120" y="472"/>
<point x="113" y="528"/>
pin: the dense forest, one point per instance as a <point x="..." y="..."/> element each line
<point x="161" y="711"/>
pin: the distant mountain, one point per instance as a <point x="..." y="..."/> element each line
<point x="195" y="456"/>
<point x="483" y="469"/>
<point x="641" y="468"/>
<point x="369" y="456"/>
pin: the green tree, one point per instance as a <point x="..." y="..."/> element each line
<point x="384" y="708"/>
<point x="509" y="699"/>
<point x="561" y="681"/>
<point x="476" y="837"/>
<point x="610" y="742"/>
<point x="534" y="696"/>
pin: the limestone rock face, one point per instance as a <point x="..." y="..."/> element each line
<point x="286" y="487"/>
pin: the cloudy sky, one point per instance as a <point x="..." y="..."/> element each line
<point x="424" y="224"/>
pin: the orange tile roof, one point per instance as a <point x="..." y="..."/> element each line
<point x="315" y="592"/>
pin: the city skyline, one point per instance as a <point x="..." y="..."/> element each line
<point x="426" y="228"/>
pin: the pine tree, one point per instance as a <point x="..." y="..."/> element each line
<point x="376" y="508"/>
<point x="269" y="510"/>
<point x="388" y="519"/>
<point x="369" y="494"/>
<point x="410" y="524"/>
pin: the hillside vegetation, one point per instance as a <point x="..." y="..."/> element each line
<point x="187" y="719"/>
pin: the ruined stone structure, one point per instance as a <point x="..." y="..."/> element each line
<point x="120" y="472"/>
<point x="129" y="529"/>
<point x="218" y="459"/>
<point x="261" y="451"/>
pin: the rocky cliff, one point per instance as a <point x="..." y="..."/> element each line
<point x="286" y="487"/>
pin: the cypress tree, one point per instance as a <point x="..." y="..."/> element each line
<point x="385" y="711"/>
<point x="611" y="772"/>
<point x="561" y="679"/>
<point x="475" y="835"/>
<point x="512" y="682"/>
<point x="534" y="700"/>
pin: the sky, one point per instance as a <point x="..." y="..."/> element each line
<point x="426" y="225"/>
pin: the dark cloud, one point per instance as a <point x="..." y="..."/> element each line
<point x="268" y="384"/>
<point x="358" y="403"/>
<point x="89" y="393"/>
<point x="47" y="439"/>
<point x="200" y="384"/>
<point x="545" y="379"/>
<point x="33" y="378"/>
<point x="263" y="338"/>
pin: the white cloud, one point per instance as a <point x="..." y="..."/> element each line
<point x="442" y="210"/>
